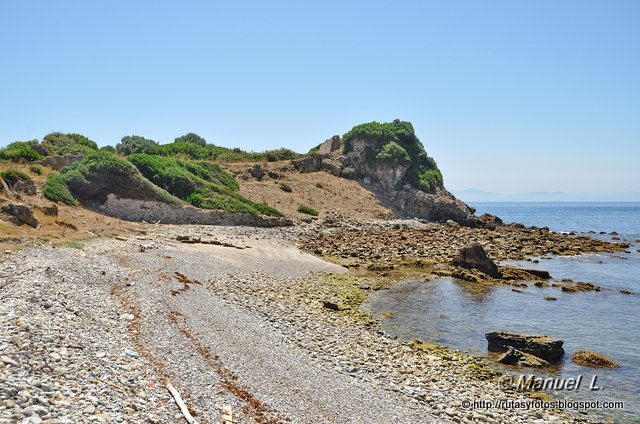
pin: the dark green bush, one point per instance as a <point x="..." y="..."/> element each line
<point x="36" y="169"/>
<point x="56" y="189"/>
<point x="391" y="152"/>
<point x="307" y="210"/>
<point x="58" y="143"/>
<point x="21" y="150"/>
<point x="12" y="176"/>
<point x="108" y="148"/>
<point x="131" y="144"/>
<point x="191" y="138"/>
<point x="383" y="138"/>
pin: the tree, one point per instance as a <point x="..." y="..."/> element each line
<point x="131" y="144"/>
<point x="191" y="138"/>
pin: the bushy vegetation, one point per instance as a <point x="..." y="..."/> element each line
<point x="55" y="189"/>
<point x="11" y="176"/>
<point x="58" y="143"/>
<point x="108" y="148"/>
<point x="21" y="150"/>
<point x="131" y="144"/>
<point x="96" y="175"/>
<point x="307" y="210"/>
<point x="393" y="152"/>
<point x="191" y="138"/>
<point x="397" y="141"/>
<point x="36" y="169"/>
<point x="203" y="184"/>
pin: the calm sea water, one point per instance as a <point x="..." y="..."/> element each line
<point x="458" y="314"/>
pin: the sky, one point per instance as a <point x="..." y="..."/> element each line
<point x="507" y="96"/>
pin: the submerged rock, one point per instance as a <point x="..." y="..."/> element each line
<point x="475" y="257"/>
<point x="590" y="358"/>
<point x="544" y="347"/>
<point x="517" y="357"/>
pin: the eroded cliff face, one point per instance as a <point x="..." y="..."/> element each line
<point x="389" y="181"/>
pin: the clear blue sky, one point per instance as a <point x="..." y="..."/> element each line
<point x="506" y="95"/>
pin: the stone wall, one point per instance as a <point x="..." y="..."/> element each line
<point x="165" y="213"/>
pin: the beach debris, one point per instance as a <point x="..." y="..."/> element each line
<point x="183" y="407"/>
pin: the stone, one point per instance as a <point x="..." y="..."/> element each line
<point x="27" y="187"/>
<point x="517" y="357"/>
<point x="48" y="210"/>
<point x="22" y="213"/>
<point x="475" y="257"/>
<point x="590" y="358"/>
<point x="308" y="164"/>
<point x="330" y="146"/>
<point x="334" y="306"/>
<point x="58" y="162"/>
<point x="257" y="172"/>
<point x="544" y="347"/>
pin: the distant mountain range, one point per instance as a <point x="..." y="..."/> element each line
<point x="477" y="195"/>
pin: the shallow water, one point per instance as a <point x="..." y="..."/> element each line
<point x="458" y="314"/>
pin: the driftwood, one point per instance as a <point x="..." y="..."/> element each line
<point x="181" y="404"/>
<point x="227" y="415"/>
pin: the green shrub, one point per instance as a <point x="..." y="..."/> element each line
<point x="392" y="152"/>
<point x="191" y="138"/>
<point x="56" y="189"/>
<point x="307" y="210"/>
<point x="203" y="184"/>
<point x="131" y="144"/>
<point x="12" y="176"/>
<point x="387" y="141"/>
<point x="21" y="150"/>
<point x="108" y="148"/>
<point x="36" y="169"/>
<point x="58" y="143"/>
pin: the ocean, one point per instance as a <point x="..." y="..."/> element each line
<point x="458" y="315"/>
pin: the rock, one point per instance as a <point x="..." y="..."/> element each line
<point x="590" y="358"/>
<point x="22" y="213"/>
<point x="285" y="187"/>
<point x="308" y="164"/>
<point x="452" y="223"/>
<point x="27" y="187"/>
<point x="544" y="347"/>
<point x="50" y="210"/>
<point x="330" y="146"/>
<point x="334" y="306"/>
<point x="517" y="357"/>
<point x="539" y="273"/>
<point x="550" y="298"/>
<point x="330" y="166"/>
<point x="475" y="257"/>
<point x="58" y="162"/>
<point x="257" y="172"/>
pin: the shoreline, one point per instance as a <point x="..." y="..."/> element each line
<point x="264" y="279"/>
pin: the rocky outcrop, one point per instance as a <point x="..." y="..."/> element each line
<point x="27" y="187"/>
<point x="168" y="213"/>
<point x="589" y="358"/>
<point x="516" y="357"/>
<point x="475" y="257"/>
<point x="544" y="347"/>
<point x="331" y="146"/>
<point x="58" y="162"/>
<point x="21" y="213"/>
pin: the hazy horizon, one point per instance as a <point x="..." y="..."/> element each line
<point x="507" y="97"/>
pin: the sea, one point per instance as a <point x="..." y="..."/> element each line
<point x="458" y="314"/>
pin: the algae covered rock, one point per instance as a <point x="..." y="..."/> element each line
<point x="590" y="358"/>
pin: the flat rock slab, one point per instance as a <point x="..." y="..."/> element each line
<point x="544" y="347"/>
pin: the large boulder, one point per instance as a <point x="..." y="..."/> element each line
<point x="308" y="164"/>
<point x="517" y="357"/>
<point x="27" y="187"/>
<point x="58" y="162"/>
<point x="330" y="146"/>
<point x="21" y="213"/>
<point x="544" y="347"/>
<point x="474" y="257"/>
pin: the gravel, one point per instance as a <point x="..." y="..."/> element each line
<point x="94" y="335"/>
